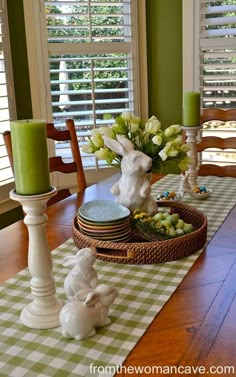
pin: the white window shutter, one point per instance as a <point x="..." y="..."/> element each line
<point x="217" y="44"/>
<point x="92" y="62"/>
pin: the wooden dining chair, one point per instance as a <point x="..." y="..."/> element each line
<point x="56" y="163"/>
<point x="216" y="142"/>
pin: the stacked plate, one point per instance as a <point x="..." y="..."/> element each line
<point x="104" y="220"/>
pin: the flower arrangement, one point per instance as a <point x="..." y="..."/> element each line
<point x="165" y="147"/>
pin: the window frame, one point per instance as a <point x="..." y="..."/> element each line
<point x="190" y="33"/>
<point x="5" y="201"/>
<point x="40" y="80"/>
<point x="192" y="43"/>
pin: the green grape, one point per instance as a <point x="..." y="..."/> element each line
<point x="180" y="224"/>
<point x="173" y="219"/>
<point x="158" y="216"/>
<point x="188" y="228"/>
<point x="179" y="232"/>
<point x="172" y="232"/>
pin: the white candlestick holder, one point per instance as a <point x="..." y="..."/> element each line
<point x="191" y="140"/>
<point x="43" y="311"/>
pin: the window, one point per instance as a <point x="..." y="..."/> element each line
<point x="209" y="51"/>
<point x="7" y="103"/>
<point x="218" y="53"/>
<point x="209" y="59"/>
<point x="88" y="67"/>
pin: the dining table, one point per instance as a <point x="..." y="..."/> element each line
<point x="195" y="331"/>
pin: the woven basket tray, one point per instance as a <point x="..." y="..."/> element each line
<point x="151" y="252"/>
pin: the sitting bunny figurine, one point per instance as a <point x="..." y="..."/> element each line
<point x="82" y="275"/>
<point x="184" y="184"/>
<point x="133" y="188"/>
<point x="88" y="310"/>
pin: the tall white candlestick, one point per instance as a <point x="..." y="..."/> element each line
<point x="43" y="311"/>
<point x="191" y="140"/>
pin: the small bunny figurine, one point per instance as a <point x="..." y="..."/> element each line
<point x="184" y="184"/>
<point x="82" y="275"/>
<point x="88" y="310"/>
<point x="133" y="189"/>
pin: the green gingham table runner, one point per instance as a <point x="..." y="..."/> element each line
<point x="143" y="291"/>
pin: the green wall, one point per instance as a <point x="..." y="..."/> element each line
<point x="164" y="38"/>
<point x="19" y="58"/>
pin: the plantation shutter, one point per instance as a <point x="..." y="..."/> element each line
<point x="217" y="53"/>
<point x="93" y="63"/>
<point x="7" y="109"/>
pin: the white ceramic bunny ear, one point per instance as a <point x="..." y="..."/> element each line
<point x="92" y="298"/>
<point x="82" y="294"/>
<point x="114" y="145"/>
<point x="70" y="260"/>
<point x="121" y="146"/>
<point x="127" y="144"/>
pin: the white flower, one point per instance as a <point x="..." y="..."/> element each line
<point x="97" y="138"/>
<point x="168" y="132"/>
<point x="153" y="117"/>
<point x="105" y="154"/>
<point x="157" y="139"/>
<point x="172" y="152"/>
<point x="136" y="120"/>
<point x="127" y="115"/>
<point x="153" y="125"/>
<point x="95" y="132"/>
<point x="147" y="137"/>
<point x="176" y="128"/>
<point x="178" y="140"/>
<point x="169" y="144"/>
<point x="134" y="126"/>
<point x="101" y="154"/>
<point x="163" y="154"/>
<point x="173" y="129"/>
<point x="87" y="148"/>
<point x="184" y="148"/>
<point x="184" y="164"/>
<point x="108" y="131"/>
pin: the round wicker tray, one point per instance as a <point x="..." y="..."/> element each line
<point x="151" y="252"/>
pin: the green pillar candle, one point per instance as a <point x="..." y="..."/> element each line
<point x="191" y="109"/>
<point x="30" y="157"/>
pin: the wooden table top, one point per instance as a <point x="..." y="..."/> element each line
<point x="195" y="328"/>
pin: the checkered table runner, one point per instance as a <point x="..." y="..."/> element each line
<point x="143" y="291"/>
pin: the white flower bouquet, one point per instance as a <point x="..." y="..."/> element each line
<point x="165" y="147"/>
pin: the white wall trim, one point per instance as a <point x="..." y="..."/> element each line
<point x="142" y="50"/>
<point x="37" y="45"/>
<point x="188" y="50"/>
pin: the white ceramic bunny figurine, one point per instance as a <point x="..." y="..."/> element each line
<point x="133" y="188"/>
<point x="88" y="310"/>
<point x="184" y="184"/>
<point x="82" y="275"/>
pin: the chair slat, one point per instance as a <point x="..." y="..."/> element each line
<point x="217" y="143"/>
